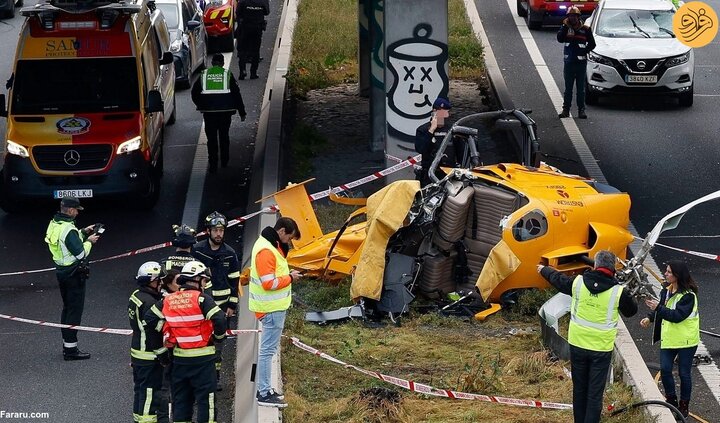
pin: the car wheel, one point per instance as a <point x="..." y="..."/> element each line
<point x="173" y="115"/>
<point x="521" y="11"/>
<point x="227" y="43"/>
<point x="9" y="205"/>
<point x="19" y="3"/>
<point x="10" y="13"/>
<point x="591" y="97"/>
<point x="686" y="98"/>
<point x="534" y="19"/>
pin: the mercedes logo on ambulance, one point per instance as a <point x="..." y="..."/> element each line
<point x="73" y="125"/>
<point x="71" y="157"/>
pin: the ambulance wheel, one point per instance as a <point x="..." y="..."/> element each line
<point x="9" y="205"/>
<point x="19" y="3"/>
<point x="173" y="115"/>
<point x="148" y="200"/>
<point x="521" y="11"/>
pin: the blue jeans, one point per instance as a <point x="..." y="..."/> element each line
<point x="272" y="327"/>
<point x="685" y="358"/>
<point x="574" y="73"/>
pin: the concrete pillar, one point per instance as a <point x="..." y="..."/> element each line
<point x="377" y="74"/>
<point x="416" y="70"/>
<point x="364" y="49"/>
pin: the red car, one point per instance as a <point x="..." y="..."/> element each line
<point x="219" y="22"/>
<point x="539" y="12"/>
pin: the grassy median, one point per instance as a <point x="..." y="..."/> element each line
<point x="325" y="45"/>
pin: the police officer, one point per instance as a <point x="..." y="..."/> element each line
<point x="270" y="297"/>
<point x="183" y="240"/>
<point x="429" y="135"/>
<point x="224" y="267"/>
<point x="251" y="24"/>
<point x="217" y="96"/>
<point x="70" y="247"/>
<point x="147" y="371"/>
<point x="192" y="324"/>
<point x="596" y="299"/>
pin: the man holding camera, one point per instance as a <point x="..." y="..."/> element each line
<point x="70" y="247"/>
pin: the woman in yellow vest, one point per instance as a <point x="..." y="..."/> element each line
<point x="677" y="326"/>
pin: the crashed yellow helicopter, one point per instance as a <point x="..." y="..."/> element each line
<point x="479" y="231"/>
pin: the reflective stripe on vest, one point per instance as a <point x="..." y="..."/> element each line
<point x="215" y="80"/>
<point x="221" y="292"/>
<point x="194" y="352"/>
<point x="55" y="238"/>
<point x="274" y="300"/>
<point x="593" y="318"/>
<point x="683" y="334"/>
<point x="185" y="326"/>
<point x="142" y="355"/>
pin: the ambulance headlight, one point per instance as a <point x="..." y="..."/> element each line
<point x="129" y="145"/>
<point x="17" y="149"/>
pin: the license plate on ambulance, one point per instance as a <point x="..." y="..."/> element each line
<point x="642" y="79"/>
<point x="77" y="193"/>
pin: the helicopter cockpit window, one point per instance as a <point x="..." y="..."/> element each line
<point x="532" y="225"/>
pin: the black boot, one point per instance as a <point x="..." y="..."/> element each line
<point x="243" y="74"/>
<point x="581" y="114"/>
<point x="684" y="407"/>
<point x="565" y="113"/>
<point x="672" y="400"/>
<point x="70" y="354"/>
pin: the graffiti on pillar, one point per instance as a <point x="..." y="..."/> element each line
<point x="418" y="67"/>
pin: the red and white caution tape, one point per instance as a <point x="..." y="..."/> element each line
<point x="101" y="330"/>
<point x="429" y="390"/>
<point x="418" y="160"/>
<point x="270" y="209"/>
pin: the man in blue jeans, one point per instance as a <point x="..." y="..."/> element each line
<point x="270" y="297"/>
<point x="579" y="41"/>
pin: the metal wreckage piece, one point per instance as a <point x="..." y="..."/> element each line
<point x="470" y="240"/>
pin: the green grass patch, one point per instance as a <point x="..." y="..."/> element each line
<point x="325" y="45"/>
<point x="306" y="143"/>
<point x="443" y="352"/>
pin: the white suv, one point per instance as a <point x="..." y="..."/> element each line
<point x="637" y="52"/>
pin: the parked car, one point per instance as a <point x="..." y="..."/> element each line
<point x="637" y="52"/>
<point x="540" y="12"/>
<point x="220" y="23"/>
<point x="7" y="8"/>
<point x="188" y="37"/>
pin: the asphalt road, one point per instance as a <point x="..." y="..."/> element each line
<point x="34" y="376"/>
<point x="663" y="155"/>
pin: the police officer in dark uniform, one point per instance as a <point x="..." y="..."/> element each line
<point x="70" y="247"/>
<point x="193" y="325"/>
<point x="183" y="240"/>
<point x="224" y="267"/>
<point x="217" y="95"/>
<point x="147" y="370"/>
<point x="251" y="24"/>
<point x="429" y="135"/>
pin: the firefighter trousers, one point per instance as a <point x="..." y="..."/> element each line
<point x="194" y="382"/>
<point x="148" y="384"/>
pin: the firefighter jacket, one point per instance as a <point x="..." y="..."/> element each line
<point x="578" y="42"/>
<point x="217" y="91"/>
<point x="270" y="289"/>
<point x="191" y="322"/>
<point x="224" y="272"/>
<point x="177" y="260"/>
<point x="68" y="245"/>
<point x="144" y="340"/>
<point x="251" y="14"/>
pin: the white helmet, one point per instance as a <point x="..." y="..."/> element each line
<point x="148" y="272"/>
<point x="194" y="268"/>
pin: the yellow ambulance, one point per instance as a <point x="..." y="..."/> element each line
<point x="91" y="92"/>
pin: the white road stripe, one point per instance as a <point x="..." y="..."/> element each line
<point x="196" y="185"/>
<point x="710" y="372"/>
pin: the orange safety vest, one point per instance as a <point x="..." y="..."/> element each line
<point x="185" y="325"/>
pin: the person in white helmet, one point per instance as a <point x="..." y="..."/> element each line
<point x="147" y="370"/>
<point x="191" y="324"/>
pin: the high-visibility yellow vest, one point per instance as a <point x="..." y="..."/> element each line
<point x="55" y="238"/>
<point x="593" y="318"/>
<point x="683" y="334"/>
<point x="263" y="301"/>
